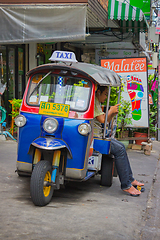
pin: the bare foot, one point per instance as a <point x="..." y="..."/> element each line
<point x="133" y="191"/>
<point x="135" y="182"/>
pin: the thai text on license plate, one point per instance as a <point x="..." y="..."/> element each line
<point x="55" y="109"/>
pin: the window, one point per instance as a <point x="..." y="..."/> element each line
<point x="60" y="89"/>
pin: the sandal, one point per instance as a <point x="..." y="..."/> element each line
<point x="135" y="195"/>
<point x="132" y="194"/>
<point x="139" y="188"/>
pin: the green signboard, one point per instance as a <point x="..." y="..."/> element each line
<point x="144" y="5"/>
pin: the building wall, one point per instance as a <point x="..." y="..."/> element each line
<point x="41" y="1"/>
<point x="104" y="4"/>
<point x="32" y="55"/>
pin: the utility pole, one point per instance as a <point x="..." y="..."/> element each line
<point x="0" y="94"/>
<point x="158" y="100"/>
<point x="154" y="54"/>
<point x="158" y="103"/>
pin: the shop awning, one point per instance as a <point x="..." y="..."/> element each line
<point x="131" y="18"/>
<point x="42" y="23"/>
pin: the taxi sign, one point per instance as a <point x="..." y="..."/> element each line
<point x="54" y="109"/>
<point x="63" y="56"/>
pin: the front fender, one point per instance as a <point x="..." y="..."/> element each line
<point x="50" y="143"/>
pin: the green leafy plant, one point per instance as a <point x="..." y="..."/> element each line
<point x="153" y="107"/>
<point x="113" y="96"/>
<point x="153" y="120"/>
<point x="16" y="103"/>
<point x="124" y="114"/>
<point x="124" y="117"/>
<point x="52" y="96"/>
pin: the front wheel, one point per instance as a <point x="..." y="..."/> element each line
<point x="41" y="193"/>
<point x="107" y="169"/>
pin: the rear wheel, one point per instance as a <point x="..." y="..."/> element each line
<point x="107" y="169"/>
<point x="41" y="191"/>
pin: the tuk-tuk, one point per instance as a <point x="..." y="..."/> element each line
<point x="55" y="126"/>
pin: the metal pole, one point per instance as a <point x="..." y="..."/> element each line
<point x="119" y="95"/>
<point x="151" y="12"/>
<point x="114" y="127"/>
<point x="0" y="85"/>
<point x="107" y="107"/>
<point x="158" y="104"/>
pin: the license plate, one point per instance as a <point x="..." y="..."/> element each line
<point x="54" y="109"/>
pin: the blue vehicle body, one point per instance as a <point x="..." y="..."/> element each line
<point x="26" y="136"/>
<point x="66" y="136"/>
<point x="55" y="137"/>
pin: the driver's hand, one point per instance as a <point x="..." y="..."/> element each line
<point x="114" y="109"/>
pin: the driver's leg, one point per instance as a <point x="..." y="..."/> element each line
<point x="122" y="164"/>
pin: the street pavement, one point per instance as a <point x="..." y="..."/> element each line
<point x="83" y="210"/>
<point x="151" y="227"/>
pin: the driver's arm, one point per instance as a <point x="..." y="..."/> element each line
<point x="113" y="111"/>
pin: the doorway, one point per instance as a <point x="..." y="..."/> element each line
<point x="12" y="74"/>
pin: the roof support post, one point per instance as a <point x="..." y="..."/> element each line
<point x="107" y="107"/>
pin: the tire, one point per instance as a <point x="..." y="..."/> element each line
<point x="41" y="195"/>
<point x="107" y="169"/>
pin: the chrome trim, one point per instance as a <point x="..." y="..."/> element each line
<point x="24" y="167"/>
<point x="24" y="119"/>
<point x="69" y="154"/>
<point x="75" y="173"/>
<point x="53" y="119"/>
<point x="89" y="129"/>
<point x="48" y="148"/>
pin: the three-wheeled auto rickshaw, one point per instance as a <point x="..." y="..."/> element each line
<point x="55" y="137"/>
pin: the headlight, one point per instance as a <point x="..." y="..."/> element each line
<point x="20" y="121"/>
<point x="84" y="128"/>
<point x="50" y="125"/>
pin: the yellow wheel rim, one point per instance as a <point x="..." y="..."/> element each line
<point x="46" y="190"/>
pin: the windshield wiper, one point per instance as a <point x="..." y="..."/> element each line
<point x="40" y="82"/>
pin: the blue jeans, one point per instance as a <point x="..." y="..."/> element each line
<point x="122" y="164"/>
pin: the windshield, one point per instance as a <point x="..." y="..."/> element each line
<point x="60" y="89"/>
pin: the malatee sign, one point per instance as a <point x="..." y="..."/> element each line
<point x="133" y="72"/>
<point x="125" y="65"/>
